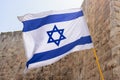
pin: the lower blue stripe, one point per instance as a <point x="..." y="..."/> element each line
<point x="57" y="52"/>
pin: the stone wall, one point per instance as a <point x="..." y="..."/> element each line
<point x="12" y="62"/>
<point x="103" y="17"/>
<point x="11" y="55"/>
<point x="115" y="37"/>
<point x="97" y="13"/>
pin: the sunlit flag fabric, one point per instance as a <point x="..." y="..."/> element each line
<point x="49" y="36"/>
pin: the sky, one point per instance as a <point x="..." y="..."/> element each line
<point x="10" y="9"/>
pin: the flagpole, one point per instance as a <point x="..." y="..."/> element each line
<point x="98" y="64"/>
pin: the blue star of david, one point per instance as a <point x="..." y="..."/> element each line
<point x="52" y="39"/>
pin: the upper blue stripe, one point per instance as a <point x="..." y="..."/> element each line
<point x="36" y="23"/>
<point x="57" y="52"/>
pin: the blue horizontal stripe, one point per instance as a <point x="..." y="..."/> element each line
<point x="57" y="52"/>
<point x="37" y="23"/>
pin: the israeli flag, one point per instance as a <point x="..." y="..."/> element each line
<point x="49" y="36"/>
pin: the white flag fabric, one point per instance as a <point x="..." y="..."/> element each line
<point x="49" y="36"/>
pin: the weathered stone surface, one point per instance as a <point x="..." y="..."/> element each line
<point x="12" y="62"/>
<point x="103" y="17"/>
<point x="116" y="73"/>
<point x="115" y="37"/>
